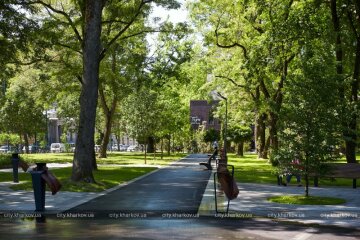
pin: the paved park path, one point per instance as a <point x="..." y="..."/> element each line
<point x="178" y="188"/>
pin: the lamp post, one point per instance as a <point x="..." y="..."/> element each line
<point x="225" y="125"/>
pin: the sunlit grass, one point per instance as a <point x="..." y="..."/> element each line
<point x="122" y="158"/>
<point x="250" y="169"/>
<point x="311" y="200"/>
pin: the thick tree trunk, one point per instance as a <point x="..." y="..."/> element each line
<point x="84" y="157"/>
<point x="150" y="144"/>
<point x="348" y="132"/>
<point x="267" y="146"/>
<point x="274" y="143"/>
<point x="240" y="150"/>
<point x="260" y="138"/>
<point x="351" y="133"/>
<point x="352" y="126"/>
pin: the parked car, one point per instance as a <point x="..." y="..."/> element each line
<point x="124" y="147"/>
<point x="5" y="149"/>
<point x="133" y="148"/>
<point x="57" y="148"/>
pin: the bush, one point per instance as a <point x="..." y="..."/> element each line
<point x="5" y="160"/>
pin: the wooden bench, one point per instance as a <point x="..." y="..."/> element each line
<point x="340" y="170"/>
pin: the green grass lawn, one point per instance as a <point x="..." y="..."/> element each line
<point x="250" y="169"/>
<point x="126" y="158"/>
<point x="311" y="200"/>
<point x="106" y="177"/>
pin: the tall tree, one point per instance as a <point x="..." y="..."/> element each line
<point x="346" y="26"/>
<point x="256" y="43"/>
<point x="84" y="19"/>
<point x="84" y="156"/>
<point x="310" y="124"/>
<point x="19" y="99"/>
<point x="16" y="30"/>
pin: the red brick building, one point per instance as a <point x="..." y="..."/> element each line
<point x="202" y="113"/>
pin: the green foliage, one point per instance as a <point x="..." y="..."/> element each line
<point x="5" y="160"/>
<point x="21" y="113"/>
<point x="239" y="133"/>
<point x="310" y="124"/>
<point x="211" y="135"/>
<point x="12" y="139"/>
<point x="16" y="29"/>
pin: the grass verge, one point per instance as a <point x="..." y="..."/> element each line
<point x="106" y="177"/>
<point x="250" y="169"/>
<point x="123" y="158"/>
<point x="302" y="200"/>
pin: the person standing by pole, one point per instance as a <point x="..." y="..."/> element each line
<point x="214" y="155"/>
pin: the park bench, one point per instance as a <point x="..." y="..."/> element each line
<point x="340" y="170"/>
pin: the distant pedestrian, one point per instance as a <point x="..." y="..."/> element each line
<point x="215" y="146"/>
<point x="295" y="171"/>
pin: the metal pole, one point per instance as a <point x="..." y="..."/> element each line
<point x="225" y="130"/>
<point x="225" y="126"/>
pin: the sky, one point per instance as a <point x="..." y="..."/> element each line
<point x="175" y="16"/>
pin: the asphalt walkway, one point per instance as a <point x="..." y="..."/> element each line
<point x="175" y="189"/>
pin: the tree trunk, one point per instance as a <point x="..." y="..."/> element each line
<point x="26" y="140"/>
<point x="150" y="145"/>
<point x="162" y="148"/>
<point x="173" y="144"/>
<point x="169" y="144"/>
<point x="84" y="157"/>
<point x="109" y="114"/>
<point x="351" y="138"/>
<point x="351" y="133"/>
<point x="260" y="139"/>
<point x="266" y="149"/>
<point x="348" y="132"/>
<point x="306" y="185"/>
<point x="145" y="146"/>
<point x="274" y="143"/>
<point x="240" y="150"/>
<point x="106" y="137"/>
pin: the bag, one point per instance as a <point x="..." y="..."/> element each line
<point x="52" y="182"/>
<point x="24" y="166"/>
<point x="228" y="183"/>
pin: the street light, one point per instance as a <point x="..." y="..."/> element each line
<point x="225" y="125"/>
